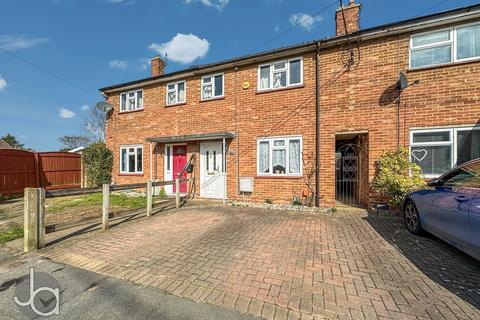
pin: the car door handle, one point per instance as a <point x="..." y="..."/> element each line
<point x="462" y="199"/>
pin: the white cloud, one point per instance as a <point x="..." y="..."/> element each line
<point x="19" y="41"/>
<point x="217" y="4"/>
<point x="3" y="83"/>
<point x="183" y="48"/>
<point x="118" y="64"/>
<point x="66" y="114"/>
<point x="85" y="107"/>
<point x="305" y="20"/>
<point x="277" y="28"/>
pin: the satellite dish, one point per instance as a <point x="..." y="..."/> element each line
<point x="402" y="81"/>
<point x="104" y="106"/>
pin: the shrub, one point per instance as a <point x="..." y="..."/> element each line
<point x="296" y="201"/>
<point x="396" y="176"/>
<point x="163" y="193"/>
<point x="98" y="161"/>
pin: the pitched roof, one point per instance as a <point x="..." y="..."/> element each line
<point x="416" y="23"/>
<point x="4" y="145"/>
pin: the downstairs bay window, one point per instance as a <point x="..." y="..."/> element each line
<point x="437" y="151"/>
<point x="131" y="159"/>
<point x="279" y="156"/>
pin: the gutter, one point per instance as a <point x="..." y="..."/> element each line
<point x="215" y="67"/>
<point x="402" y="27"/>
<point x="411" y="25"/>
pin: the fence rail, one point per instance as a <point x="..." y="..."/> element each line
<point x="82" y="191"/>
<point x="34" y="207"/>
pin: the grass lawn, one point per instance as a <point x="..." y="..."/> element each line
<point x="92" y="200"/>
<point x="11" y="234"/>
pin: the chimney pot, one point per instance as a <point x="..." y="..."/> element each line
<point x="352" y="18"/>
<point x="157" y="66"/>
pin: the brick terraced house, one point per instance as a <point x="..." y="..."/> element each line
<point x="260" y="124"/>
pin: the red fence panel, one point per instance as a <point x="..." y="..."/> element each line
<point x="17" y="171"/>
<point x="59" y="170"/>
<point x="51" y="170"/>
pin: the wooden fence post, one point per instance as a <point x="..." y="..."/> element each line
<point x="105" y="205"/>
<point x="149" y="198"/>
<point x="177" y="192"/>
<point x="34" y="219"/>
<point x="82" y="172"/>
<point x="41" y="218"/>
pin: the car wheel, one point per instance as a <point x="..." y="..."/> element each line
<point x="412" y="219"/>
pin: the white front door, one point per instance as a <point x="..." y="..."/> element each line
<point x="211" y="170"/>
<point x="168" y="165"/>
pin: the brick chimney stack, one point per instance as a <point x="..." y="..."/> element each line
<point x="352" y="18"/>
<point x="157" y="65"/>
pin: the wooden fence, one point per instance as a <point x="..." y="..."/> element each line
<point x="34" y="207"/>
<point x="50" y="170"/>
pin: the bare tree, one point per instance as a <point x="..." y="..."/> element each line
<point x="95" y="125"/>
<point x="72" y="142"/>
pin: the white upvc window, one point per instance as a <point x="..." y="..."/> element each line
<point x="280" y="74"/>
<point x="280" y="156"/>
<point x="176" y="93"/>
<point x="131" y="101"/>
<point x="131" y="159"/>
<point x="437" y="151"/>
<point x="455" y="44"/>
<point x="212" y="86"/>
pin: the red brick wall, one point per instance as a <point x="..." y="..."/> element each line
<point x="351" y="13"/>
<point x="356" y="101"/>
<point x="248" y="112"/>
<point x="352" y="99"/>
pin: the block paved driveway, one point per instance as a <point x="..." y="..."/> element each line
<point x="279" y="265"/>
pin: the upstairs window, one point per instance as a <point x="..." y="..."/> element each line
<point x="468" y="42"/>
<point x="131" y="159"/>
<point x="445" y="46"/>
<point x="212" y="86"/>
<point x="176" y="93"/>
<point x="280" y="74"/>
<point x="131" y="101"/>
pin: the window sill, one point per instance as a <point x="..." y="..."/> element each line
<point x="130" y="174"/>
<point x="280" y="89"/>
<point x="445" y="65"/>
<point x="130" y="111"/>
<point x="279" y="177"/>
<point x="175" y="104"/>
<point x="212" y="99"/>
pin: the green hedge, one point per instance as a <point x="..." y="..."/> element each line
<point x="98" y="162"/>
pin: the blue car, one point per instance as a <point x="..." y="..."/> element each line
<point x="449" y="208"/>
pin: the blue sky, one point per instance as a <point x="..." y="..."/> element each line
<point x="70" y="48"/>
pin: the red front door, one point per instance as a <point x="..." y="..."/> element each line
<point x="179" y="162"/>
